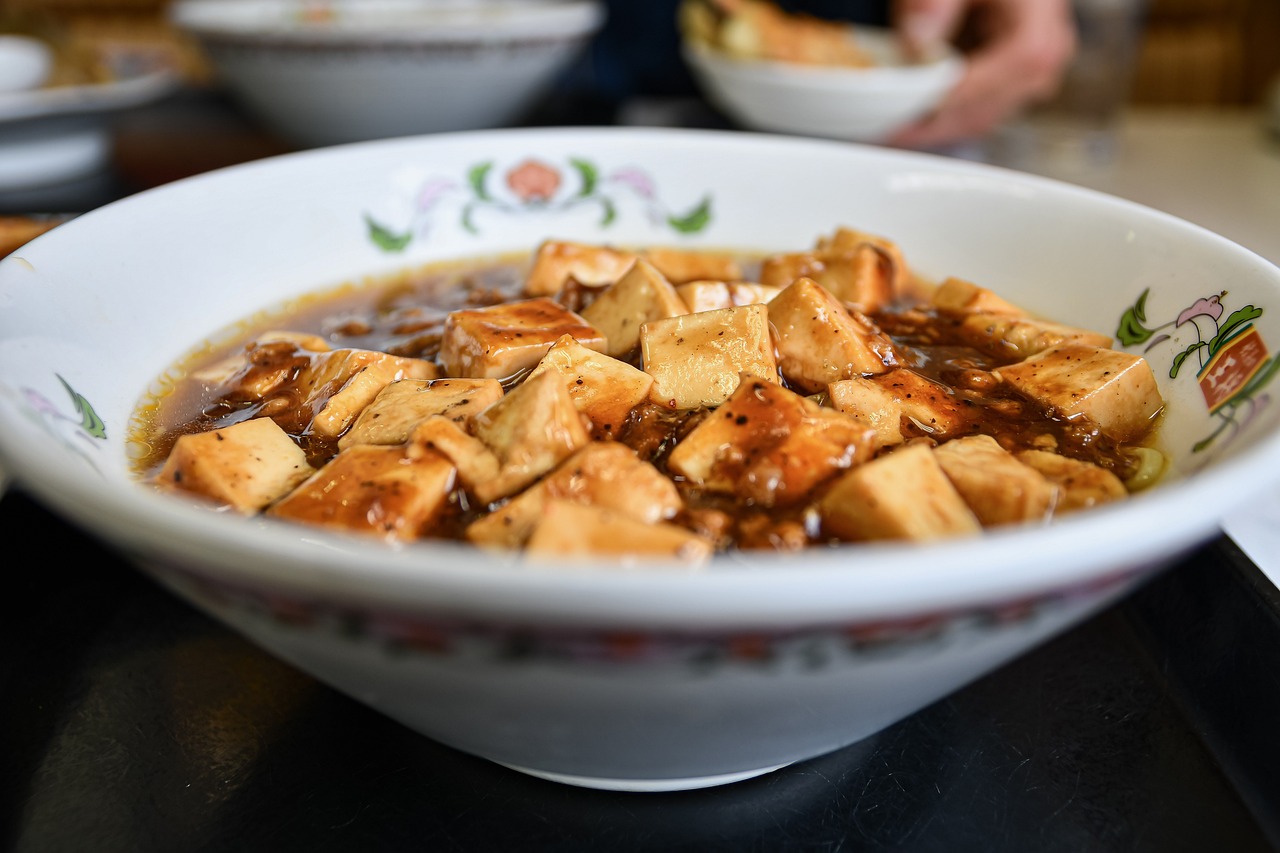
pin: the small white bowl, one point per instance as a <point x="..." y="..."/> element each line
<point x="644" y="676"/>
<point x="25" y="63"/>
<point x="857" y="104"/>
<point x="353" y="70"/>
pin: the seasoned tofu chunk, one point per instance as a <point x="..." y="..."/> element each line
<point x="872" y="406"/>
<point x="604" y="389"/>
<point x="903" y="494"/>
<point x="338" y="385"/>
<point x="1115" y="391"/>
<point x="557" y="261"/>
<point x="603" y="473"/>
<point x="709" y="294"/>
<point x="928" y="408"/>
<point x="402" y="405"/>
<point x="568" y="529"/>
<point x="958" y="296"/>
<point x="855" y="267"/>
<point x="695" y="359"/>
<point x="244" y="466"/>
<point x="239" y="368"/>
<point x="819" y="341"/>
<point x="846" y="239"/>
<point x="1011" y="336"/>
<point x="1082" y="484"/>
<point x="499" y="341"/>
<point x="642" y="294"/>
<point x="473" y="459"/>
<point x="996" y="486"/>
<point x="769" y="445"/>
<point x="681" y="265"/>
<point x="531" y="430"/>
<point x="378" y="490"/>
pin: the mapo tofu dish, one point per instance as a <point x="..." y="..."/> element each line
<point x="661" y="403"/>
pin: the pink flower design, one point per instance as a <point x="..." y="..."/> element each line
<point x="637" y="180"/>
<point x="431" y="192"/>
<point x="1210" y="307"/>
<point x="533" y="180"/>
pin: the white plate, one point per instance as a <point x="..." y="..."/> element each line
<point x="60" y="133"/>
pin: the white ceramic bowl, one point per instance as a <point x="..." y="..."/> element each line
<point x="856" y="104"/>
<point x="651" y="677"/>
<point x="371" y="69"/>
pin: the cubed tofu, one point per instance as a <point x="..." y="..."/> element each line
<point x="928" y="408"/>
<point x="1014" y="337"/>
<point x="696" y="359"/>
<point x="499" y="341"/>
<point x="402" y="405"/>
<point x="819" y="341"/>
<point x="475" y="462"/>
<point x="845" y="239"/>
<point x="769" y="445"/>
<point x="1082" y="484"/>
<point x="958" y="296"/>
<point x="531" y="430"/>
<point x="642" y="294"/>
<point x="681" y="265"/>
<point x="568" y="529"/>
<point x="872" y="406"/>
<point x="903" y="494"/>
<point x="1115" y="391"/>
<point x="855" y="267"/>
<point x="557" y="261"/>
<point x="338" y="385"/>
<point x="244" y="466"/>
<point x="996" y="486"/>
<point x="240" y="368"/>
<point x="710" y="294"/>
<point x="604" y="389"/>
<point x="378" y="490"/>
<point x="603" y="473"/>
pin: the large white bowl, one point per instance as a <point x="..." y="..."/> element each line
<point x="650" y="677"/>
<point x="854" y="104"/>
<point x="334" y="71"/>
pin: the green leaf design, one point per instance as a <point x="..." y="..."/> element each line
<point x="608" y="212"/>
<point x="477" y="176"/>
<point x="89" y="420"/>
<point x="467" y="222"/>
<point x="1183" y="356"/>
<point x="588" y="173"/>
<point x="693" y="221"/>
<point x="1132" y="328"/>
<point x="1236" y="322"/>
<point x="384" y="238"/>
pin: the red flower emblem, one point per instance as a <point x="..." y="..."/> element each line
<point x="533" y="181"/>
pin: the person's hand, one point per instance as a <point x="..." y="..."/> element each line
<point x="1017" y="51"/>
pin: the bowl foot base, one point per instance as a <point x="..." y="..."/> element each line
<point x="645" y="785"/>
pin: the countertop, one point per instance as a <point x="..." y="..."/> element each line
<point x="132" y="722"/>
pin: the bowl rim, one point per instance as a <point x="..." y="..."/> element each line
<point x="814" y="586"/>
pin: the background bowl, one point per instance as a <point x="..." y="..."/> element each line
<point x="857" y="104"/>
<point x="644" y="678"/>
<point x="350" y="70"/>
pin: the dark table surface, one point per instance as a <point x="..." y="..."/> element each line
<point x="131" y="722"/>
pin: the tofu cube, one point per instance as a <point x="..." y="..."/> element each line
<point x="856" y="267"/>
<point x="473" y="459"/>
<point x="603" y="473"/>
<point x="819" y="341"/>
<point x="402" y="405"/>
<point x="903" y="494"/>
<point x="1115" y="391"/>
<point x="769" y="445"/>
<point x="1082" y="484"/>
<point x="1013" y="337"/>
<point x="568" y="529"/>
<point x="957" y="296"/>
<point x="239" y="368"/>
<point x="696" y="359"/>
<point x="681" y="265"/>
<point x="557" y="261"/>
<point x="499" y="341"/>
<point x="872" y="406"/>
<point x="244" y="466"/>
<point x="928" y="408"/>
<point x="996" y="486"/>
<point x="378" y="490"/>
<point x="531" y="430"/>
<point x="845" y="239"/>
<point x="604" y="389"/>
<point x="642" y="294"/>
<point x="338" y="385"/>
<point x="709" y="294"/>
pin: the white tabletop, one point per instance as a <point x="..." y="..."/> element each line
<point x="1219" y="169"/>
